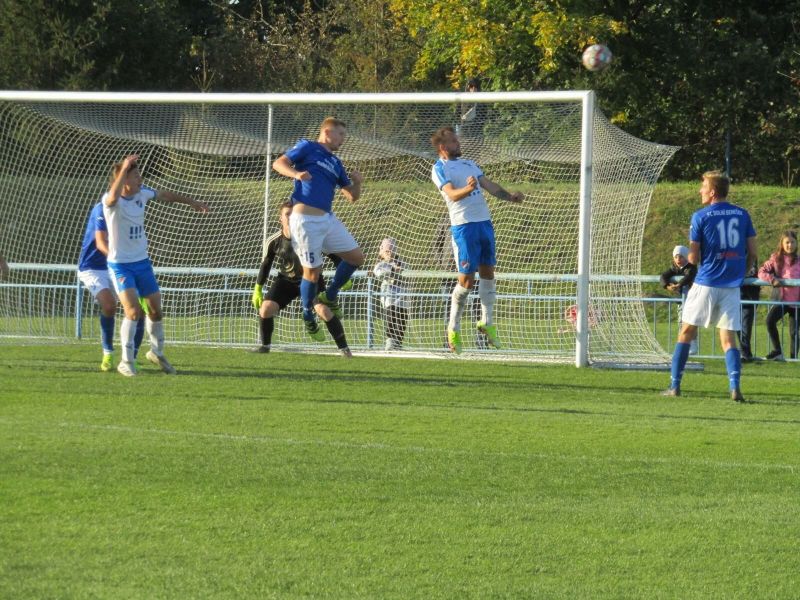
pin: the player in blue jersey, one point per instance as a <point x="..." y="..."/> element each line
<point x="461" y="183"/>
<point x="317" y="173"/>
<point x="286" y="287"/>
<point x="94" y="275"/>
<point x="722" y="240"/>
<point x="123" y="207"/>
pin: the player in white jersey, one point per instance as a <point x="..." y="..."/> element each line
<point x="123" y="207"/>
<point x="461" y="183"/>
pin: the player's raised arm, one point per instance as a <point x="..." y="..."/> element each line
<point x="353" y="191"/>
<point x="285" y="167"/>
<point x="455" y="194"/>
<point x="499" y="191"/>
<point x="121" y="172"/>
<point x="173" y="198"/>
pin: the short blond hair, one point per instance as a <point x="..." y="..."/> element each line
<point x="719" y="182"/>
<point x="331" y="122"/>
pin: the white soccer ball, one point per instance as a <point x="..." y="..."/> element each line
<point x="596" y="57"/>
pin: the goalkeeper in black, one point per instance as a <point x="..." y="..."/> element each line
<point x="286" y="287"/>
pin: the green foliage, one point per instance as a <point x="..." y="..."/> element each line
<point x="687" y="74"/>
<point x="683" y="74"/>
<point x="289" y="476"/>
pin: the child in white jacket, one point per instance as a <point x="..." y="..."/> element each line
<point x="393" y="289"/>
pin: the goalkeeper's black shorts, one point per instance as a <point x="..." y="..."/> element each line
<point x="283" y="290"/>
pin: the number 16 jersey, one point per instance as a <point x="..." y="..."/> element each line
<point x="722" y="230"/>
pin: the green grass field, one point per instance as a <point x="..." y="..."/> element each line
<point x="301" y="476"/>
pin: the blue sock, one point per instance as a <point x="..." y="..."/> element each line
<point x="138" y="336"/>
<point x="107" y="332"/>
<point x="344" y="271"/>
<point x="308" y="290"/>
<point x="679" y="358"/>
<point x="733" y="362"/>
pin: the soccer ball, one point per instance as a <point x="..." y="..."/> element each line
<point x="596" y="57"/>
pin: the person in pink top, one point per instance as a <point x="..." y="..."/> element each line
<point x="783" y="264"/>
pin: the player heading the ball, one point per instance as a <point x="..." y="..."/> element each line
<point x="461" y="183"/>
<point x="317" y="173"/>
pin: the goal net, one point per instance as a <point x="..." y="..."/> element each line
<point x="567" y="257"/>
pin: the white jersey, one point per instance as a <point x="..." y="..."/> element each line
<point x="392" y="286"/>
<point x="127" y="242"/>
<point x="473" y="208"/>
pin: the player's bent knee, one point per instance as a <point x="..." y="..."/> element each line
<point x="324" y="312"/>
<point x="133" y="313"/>
<point x="269" y="309"/>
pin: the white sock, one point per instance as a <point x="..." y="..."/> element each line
<point x="487" y="290"/>
<point x="155" y="330"/>
<point x="457" y="303"/>
<point x="126" y="333"/>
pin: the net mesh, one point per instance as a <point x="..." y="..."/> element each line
<point x="54" y="165"/>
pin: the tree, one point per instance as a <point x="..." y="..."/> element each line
<point x="687" y="74"/>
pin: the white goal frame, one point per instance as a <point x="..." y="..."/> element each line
<point x="585" y="98"/>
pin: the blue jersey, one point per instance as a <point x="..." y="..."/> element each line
<point x="722" y="230"/>
<point x="91" y="258"/>
<point x="327" y="172"/>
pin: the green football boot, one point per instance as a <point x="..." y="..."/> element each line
<point x="313" y="329"/>
<point x="454" y="341"/>
<point x="490" y="331"/>
<point x="334" y="305"/>
<point x="108" y="363"/>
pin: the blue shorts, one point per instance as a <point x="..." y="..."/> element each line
<point x="473" y="245"/>
<point x="137" y="275"/>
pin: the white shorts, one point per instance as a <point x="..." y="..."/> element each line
<point x="313" y="235"/>
<point x="96" y="280"/>
<point x="706" y="306"/>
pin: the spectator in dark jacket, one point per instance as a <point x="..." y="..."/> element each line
<point x="685" y="272"/>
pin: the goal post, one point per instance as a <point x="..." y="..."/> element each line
<point x="568" y="256"/>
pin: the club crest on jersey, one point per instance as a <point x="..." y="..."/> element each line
<point x="465" y="264"/>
